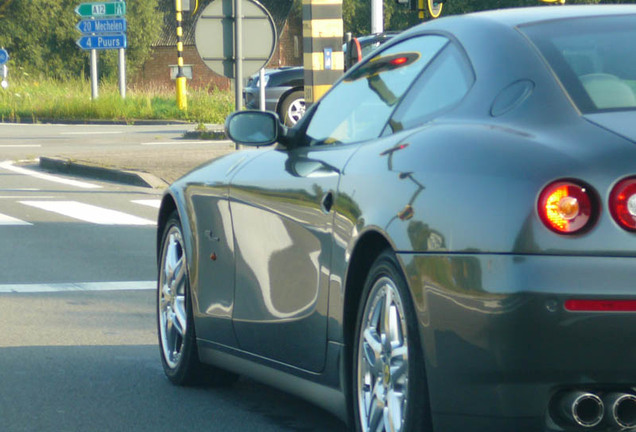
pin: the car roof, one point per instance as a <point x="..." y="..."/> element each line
<point x="514" y="17"/>
<point x="491" y="37"/>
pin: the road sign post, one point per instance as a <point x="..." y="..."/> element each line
<point x="94" y="86"/>
<point x="104" y="29"/>
<point x="223" y="21"/>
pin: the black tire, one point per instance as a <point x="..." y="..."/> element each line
<point x="399" y="381"/>
<point x="292" y="108"/>
<point x="175" y="320"/>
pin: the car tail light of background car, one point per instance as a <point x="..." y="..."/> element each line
<point x="566" y="207"/>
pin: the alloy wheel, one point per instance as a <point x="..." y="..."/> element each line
<point x="172" y="301"/>
<point x="383" y="359"/>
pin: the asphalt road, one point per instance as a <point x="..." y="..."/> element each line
<point x="78" y="348"/>
<point x="161" y="150"/>
<point x="88" y="361"/>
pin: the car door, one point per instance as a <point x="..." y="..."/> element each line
<point x="281" y="212"/>
<point x="281" y="207"/>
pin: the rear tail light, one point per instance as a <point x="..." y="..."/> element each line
<point x="593" y="305"/>
<point x="566" y="207"/>
<point x="623" y="203"/>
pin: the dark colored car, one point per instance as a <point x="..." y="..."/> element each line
<point x="445" y="242"/>
<point x="284" y="93"/>
<point x="284" y="87"/>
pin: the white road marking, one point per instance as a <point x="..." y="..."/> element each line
<point x="33" y="125"/>
<point x="92" y="133"/>
<point x="89" y="213"/>
<point x="8" y="165"/>
<point x="8" y="220"/>
<point x="27" y="197"/>
<point x="78" y="287"/>
<point x="19" y="190"/>
<point x="19" y="145"/>
<point x="155" y="203"/>
<point x="161" y="143"/>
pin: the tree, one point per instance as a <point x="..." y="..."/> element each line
<point x="4" y="5"/>
<point x="357" y="13"/>
<point x="144" y="25"/>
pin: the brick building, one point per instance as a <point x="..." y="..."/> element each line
<point x="160" y="70"/>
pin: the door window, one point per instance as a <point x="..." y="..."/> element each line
<point x="442" y="85"/>
<point x="359" y="107"/>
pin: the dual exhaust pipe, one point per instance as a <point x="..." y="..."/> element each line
<point x="587" y="410"/>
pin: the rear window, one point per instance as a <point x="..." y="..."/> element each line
<point x="595" y="59"/>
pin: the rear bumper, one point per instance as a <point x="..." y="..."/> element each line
<point x="499" y="343"/>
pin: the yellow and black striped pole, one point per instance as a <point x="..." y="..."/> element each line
<point x="322" y="46"/>
<point x="182" y="100"/>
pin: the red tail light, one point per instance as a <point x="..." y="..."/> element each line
<point x="566" y="207"/>
<point x="623" y="203"/>
<point x="576" y="305"/>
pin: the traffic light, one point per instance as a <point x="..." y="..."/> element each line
<point x="434" y="7"/>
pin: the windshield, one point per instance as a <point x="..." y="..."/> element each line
<point x="594" y="58"/>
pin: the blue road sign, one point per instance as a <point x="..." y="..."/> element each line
<point x="116" y="25"/>
<point x="4" y="56"/>
<point x="103" y="42"/>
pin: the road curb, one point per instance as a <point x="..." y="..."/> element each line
<point x="85" y="169"/>
<point x="130" y="122"/>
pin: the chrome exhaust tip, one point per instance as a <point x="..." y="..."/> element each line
<point x="621" y="410"/>
<point x="580" y="408"/>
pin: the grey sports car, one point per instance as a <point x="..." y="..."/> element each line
<point x="445" y="242"/>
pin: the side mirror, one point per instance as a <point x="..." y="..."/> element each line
<point x="253" y="128"/>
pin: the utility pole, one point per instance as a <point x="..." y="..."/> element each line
<point x="377" y="16"/>
<point x="182" y="99"/>
<point x="238" y="55"/>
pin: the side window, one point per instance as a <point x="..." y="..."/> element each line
<point x="442" y="85"/>
<point x="359" y="107"/>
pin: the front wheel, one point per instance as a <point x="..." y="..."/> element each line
<point x="390" y="391"/>
<point x="175" y="322"/>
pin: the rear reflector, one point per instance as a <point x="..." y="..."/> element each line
<point x="600" y="305"/>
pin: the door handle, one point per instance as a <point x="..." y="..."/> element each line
<point x="327" y="202"/>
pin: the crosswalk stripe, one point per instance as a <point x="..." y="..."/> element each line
<point x="8" y="220"/>
<point x="89" y="213"/>
<point x="79" y="286"/>
<point x="155" y="203"/>
<point x="8" y="165"/>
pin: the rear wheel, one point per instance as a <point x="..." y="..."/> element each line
<point x="390" y="392"/>
<point x="177" y="339"/>
<point x="292" y="108"/>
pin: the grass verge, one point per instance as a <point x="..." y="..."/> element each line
<point x="33" y="100"/>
